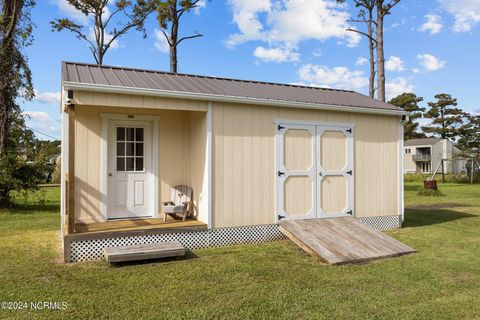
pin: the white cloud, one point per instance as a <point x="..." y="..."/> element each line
<point x="47" y="97"/>
<point x="465" y="12"/>
<point x="276" y="54"/>
<point x="200" y="5"/>
<point x="396" y="87"/>
<point x="68" y="10"/>
<point x="430" y="62"/>
<point x="288" y="22"/>
<point x="160" y="41"/>
<point x="317" y="52"/>
<point x="43" y="122"/>
<point x="433" y="24"/>
<point x="400" y="23"/>
<point x="361" y="61"/>
<point x="416" y="70"/>
<point x="337" y="77"/>
<point x="394" y="64"/>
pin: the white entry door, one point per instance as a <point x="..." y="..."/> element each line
<point x="314" y="171"/>
<point x="129" y="169"/>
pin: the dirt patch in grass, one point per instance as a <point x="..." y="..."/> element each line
<point x="433" y="206"/>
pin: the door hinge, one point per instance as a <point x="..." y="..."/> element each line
<point x="349" y="130"/>
<point x="280" y="217"/>
<point x="349" y="172"/>
<point x="280" y="173"/>
<point x="350" y="213"/>
<point x="280" y="127"/>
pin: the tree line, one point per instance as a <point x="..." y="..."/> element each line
<point x="112" y="19"/>
<point x="447" y="121"/>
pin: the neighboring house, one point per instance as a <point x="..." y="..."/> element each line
<point x="424" y="155"/>
<point x="253" y="152"/>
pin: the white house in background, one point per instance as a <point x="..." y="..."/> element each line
<point x="425" y="154"/>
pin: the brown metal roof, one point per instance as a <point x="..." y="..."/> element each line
<point x="421" y="142"/>
<point x="90" y="74"/>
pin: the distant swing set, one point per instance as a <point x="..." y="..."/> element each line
<point x="474" y="166"/>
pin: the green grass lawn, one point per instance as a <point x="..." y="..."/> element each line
<point x="268" y="281"/>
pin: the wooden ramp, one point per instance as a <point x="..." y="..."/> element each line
<point x="342" y="240"/>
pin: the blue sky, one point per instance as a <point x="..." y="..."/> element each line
<point x="432" y="47"/>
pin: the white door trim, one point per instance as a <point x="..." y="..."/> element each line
<point x="314" y="123"/>
<point x="105" y="118"/>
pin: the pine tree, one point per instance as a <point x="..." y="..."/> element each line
<point x="123" y="15"/>
<point x="470" y="133"/>
<point x="446" y="120"/>
<point x="409" y="102"/>
<point x="169" y="14"/>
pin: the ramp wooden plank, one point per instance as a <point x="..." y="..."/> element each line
<point x="144" y="251"/>
<point x="342" y="240"/>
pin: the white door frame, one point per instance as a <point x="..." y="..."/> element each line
<point x="153" y="185"/>
<point x="320" y="128"/>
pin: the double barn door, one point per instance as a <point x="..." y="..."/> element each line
<point x="314" y="171"/>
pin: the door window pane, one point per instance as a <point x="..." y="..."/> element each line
<point x="120" y="148"/>
<point x="130" y="150"/>
<point x="139" y="149"/>
<point x="120" y="164"/>
<point x="138" y="164"/>
<point x="130" y="134"/>
<point x="120" y="134"/>
<point x="139" y="134"/>
<point x="130" y="164"/>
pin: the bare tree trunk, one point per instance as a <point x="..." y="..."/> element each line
<point x="174" y="39"/>
<point x="371" y="50"/>
<point x="173" y="59"/>
<point x="380" y="52"/>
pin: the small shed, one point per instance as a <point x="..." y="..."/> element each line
<point x="254" y="153"/>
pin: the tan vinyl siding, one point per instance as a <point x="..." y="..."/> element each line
<point x="136" y="101"/>
<point x="174" y="144"/>
<point x="244" y="157"/>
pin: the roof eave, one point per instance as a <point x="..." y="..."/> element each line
<point x="68" y="85"/>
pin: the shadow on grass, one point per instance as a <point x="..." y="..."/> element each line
<point x="189" y="255"/>
<point x="34" y="208"/>
<point x="412" y="187"/>
<point x="420" y="218"/>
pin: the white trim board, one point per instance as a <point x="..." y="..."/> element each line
<point x="68" y="85"/>
<point x="209" y="164"/>
<point x="314" y="123"/>
<point x="105" y="118"/>
<point x="401" y="198"/>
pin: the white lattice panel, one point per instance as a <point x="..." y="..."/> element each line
<point x="93" y="249"/>
<point x="383" y="223"/>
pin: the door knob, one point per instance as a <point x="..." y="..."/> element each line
<point x="109" y="174"/>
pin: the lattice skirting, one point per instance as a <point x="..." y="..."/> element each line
<point x="85" y="250"/>
<point x="383" y="223"/>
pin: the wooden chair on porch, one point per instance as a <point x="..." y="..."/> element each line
<point x="180" y="202"/>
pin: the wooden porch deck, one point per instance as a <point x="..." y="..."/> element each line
<point x="138" y="224"/>
<point x="342" y="240"/>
